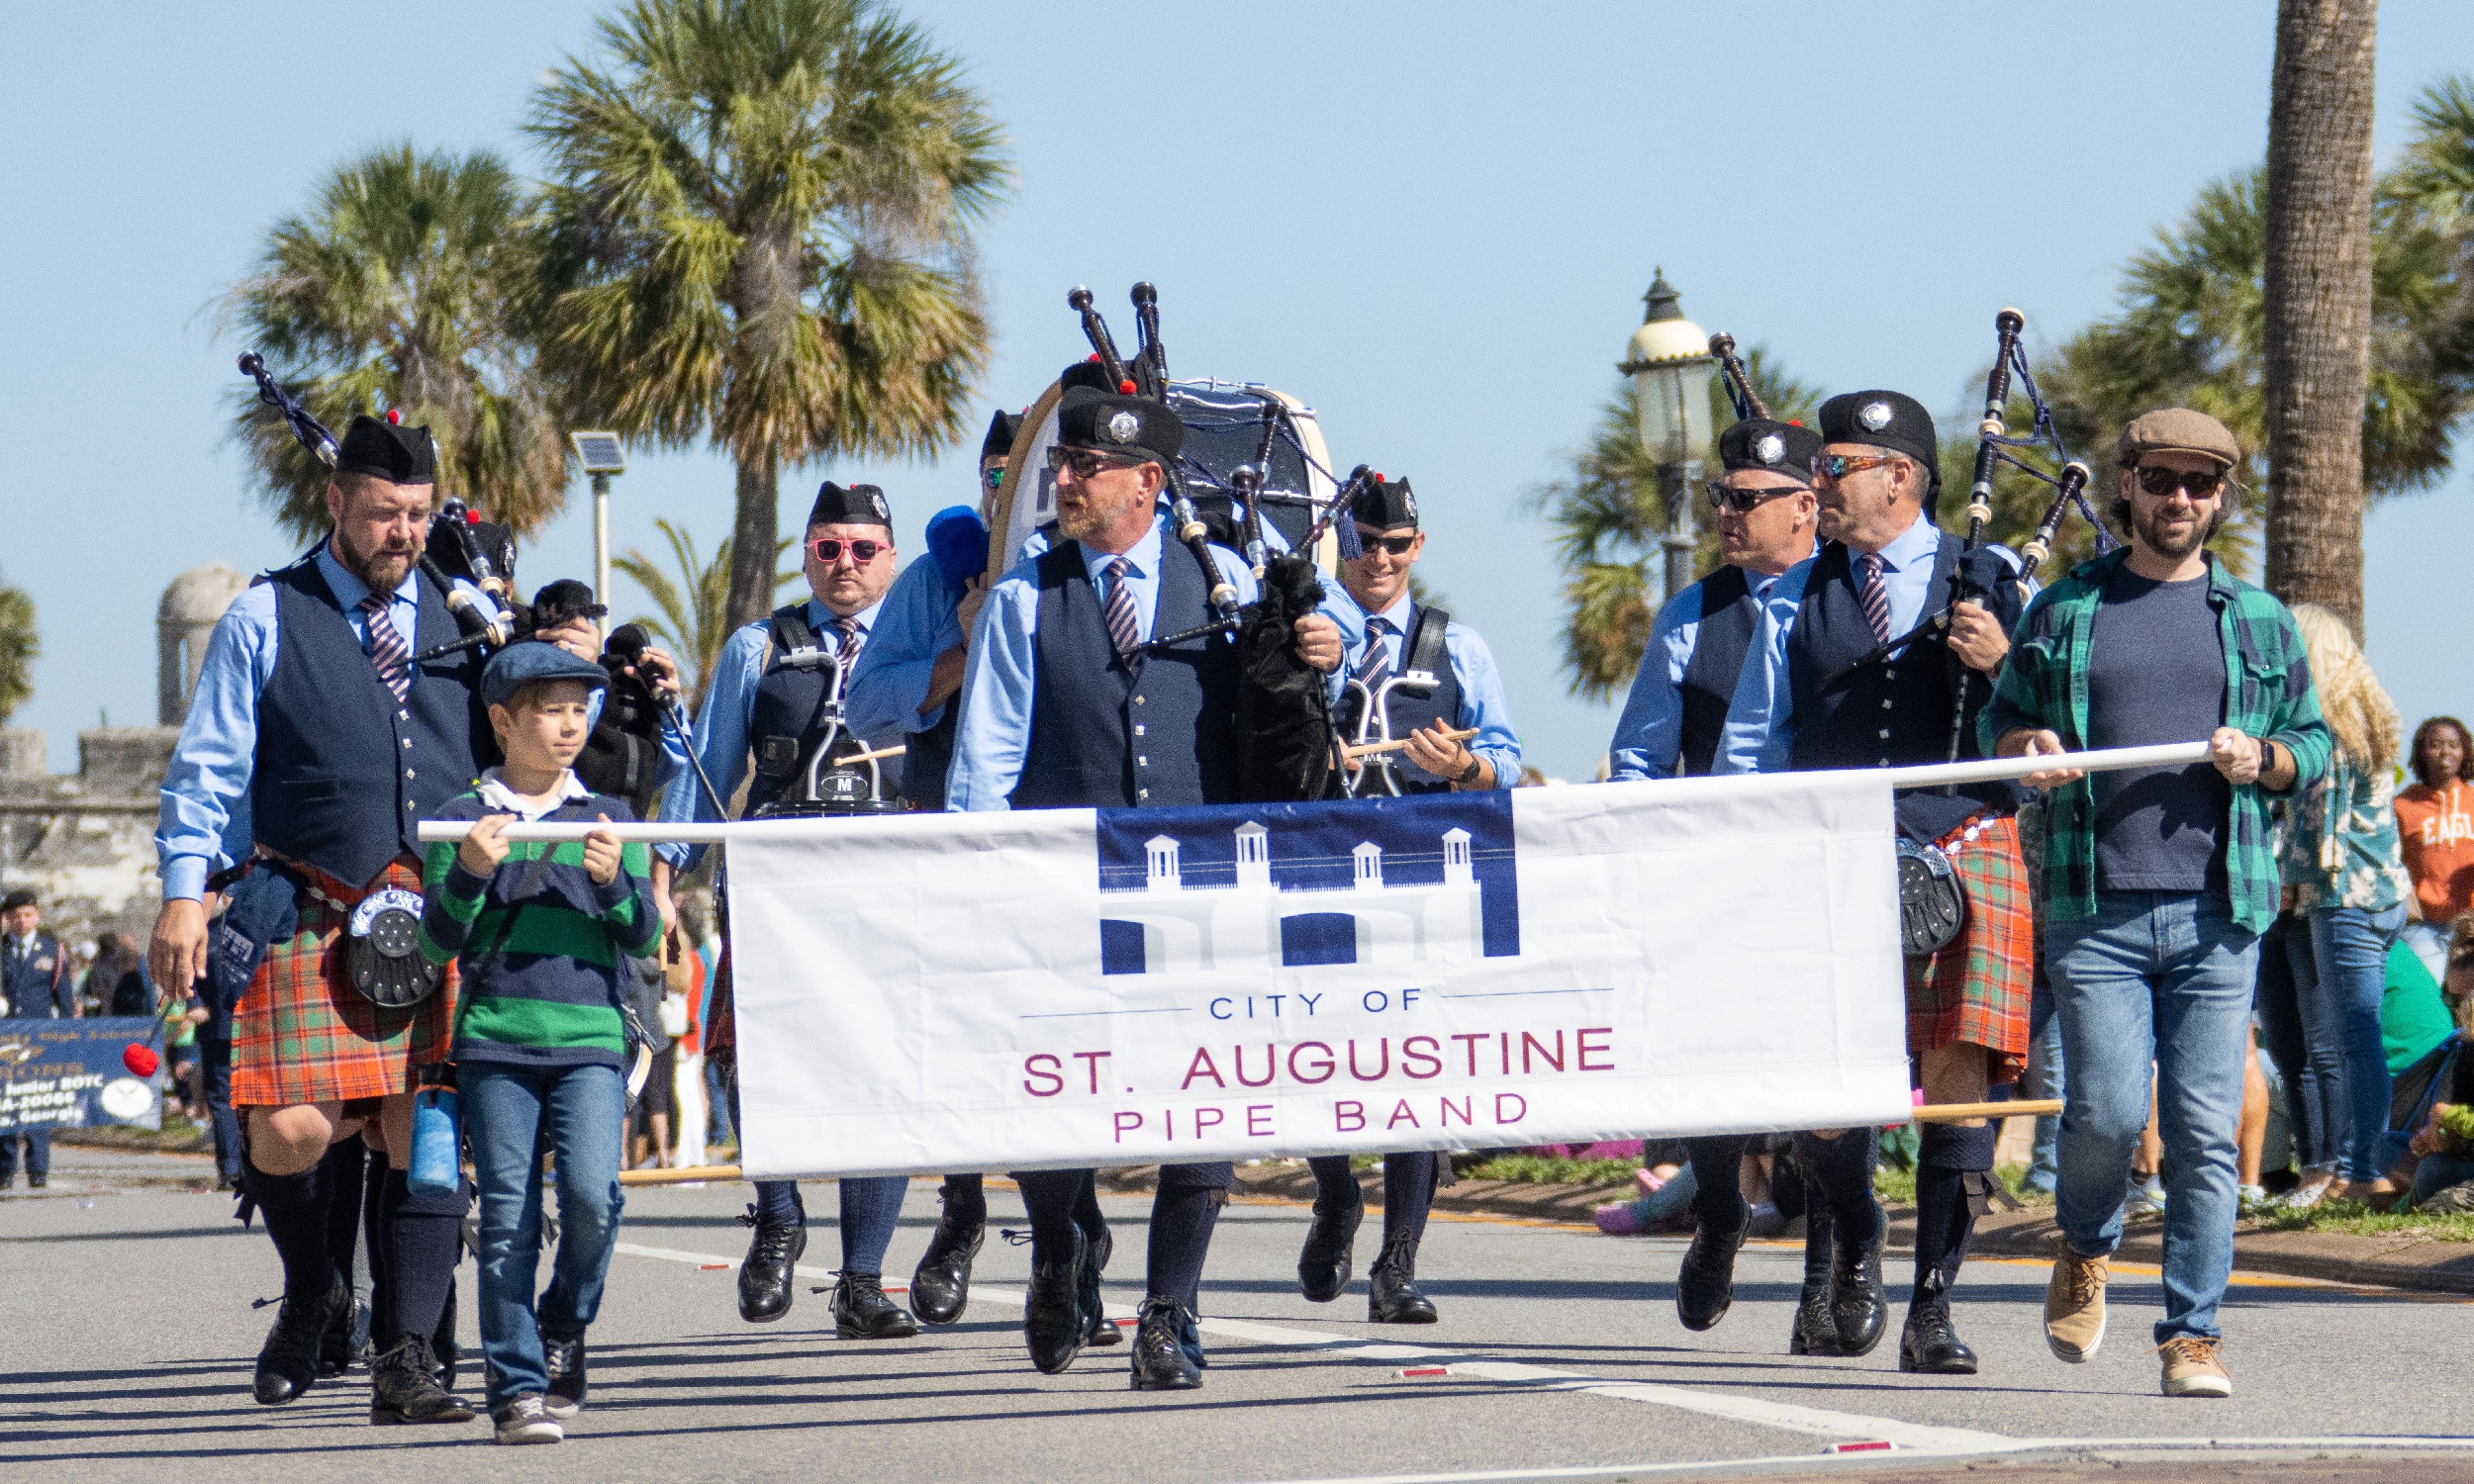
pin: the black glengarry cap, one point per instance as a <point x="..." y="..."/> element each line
<point x="390" y="451"/>
<point x="1106" y="423"/>
<point x="1385" y="504"/>
<point x="1765" y="446"/>
<point x="857" y="505"/>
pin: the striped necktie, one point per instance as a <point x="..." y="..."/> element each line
<point x="386" y="646"/>
<point x="1874" y="596"/>
<point x="1375" y="666"/>
<point x="1123" y="632"/>
<point x="846" y="638"/>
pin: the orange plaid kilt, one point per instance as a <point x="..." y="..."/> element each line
<point x="1976" y="988"/>
<point x="302" y="1034"/>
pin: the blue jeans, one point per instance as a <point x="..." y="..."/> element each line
<point x="2438" y="1172"/>
<point x="719" y="1126"/>
<point x="37" y="1154"/>
<point x="505" y="1109"/>
<point x="2155" y="982"/>
<point x="2044" y="1077"/>
<point x="2339" y="973"/>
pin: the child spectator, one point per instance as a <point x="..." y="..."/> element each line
<point x="541" y="934"/>
<point x="2435" y="830"/>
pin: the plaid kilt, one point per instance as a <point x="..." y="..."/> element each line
<point x="1976" y="988"/>
<point x="302" y="1034"/>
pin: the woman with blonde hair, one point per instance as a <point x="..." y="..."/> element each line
<point x="2341" y="858"/>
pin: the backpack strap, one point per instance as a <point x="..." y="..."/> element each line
<point x="1426" y="649"/>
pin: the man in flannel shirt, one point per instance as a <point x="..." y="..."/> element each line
<point x="539" y="934"/>
<point x="2159" y="881"/>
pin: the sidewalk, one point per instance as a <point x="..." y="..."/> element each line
<point x="2390" y="1260"/>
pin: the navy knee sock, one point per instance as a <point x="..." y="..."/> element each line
<point x="1717" y="1170"/>
<point x="1843" y="1168"/>
<point x="424" y="1237"/>
<point x="294" y="1208"/>
<point x="1087" y="1212"/>
<point x="1408" y="1194"/>
<point x="871" y="1209"/>
<point x="1950" y="1168"/>
<point x="966" y="1200"/>
<point x="1181" y="1217"/>
<point x="1335" y="1183"/>
<point x="342" y="1174"/>
<point x="778" y="1203"/>
<point x="1048" y="1198"/>
<point x="374" y="1236"/>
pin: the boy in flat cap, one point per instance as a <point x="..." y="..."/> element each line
<point x="1067" y="705"/>
<point x="312" y="748"/>
<point x="1766" y="513"/>
<point x="2157" y="881"/>
<point x="1386" y="634"/>
<point x="768" y="708"/>
<point x="1827" y="684"/>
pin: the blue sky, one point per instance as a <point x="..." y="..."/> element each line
<point x="1434" y="223"/>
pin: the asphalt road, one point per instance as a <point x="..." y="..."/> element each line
<point x="128" y="1340"/>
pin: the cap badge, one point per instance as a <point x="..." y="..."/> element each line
<point x="883" y="512"/>
<point x="1409" y="503"/>
<point x="1769" y="448"/>
<point x="1122" y="427"/>
<point x="1874" y="415"/>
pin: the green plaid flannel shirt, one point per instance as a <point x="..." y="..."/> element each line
<point x="2268" y="694"/>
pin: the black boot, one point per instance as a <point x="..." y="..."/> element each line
<point x="1391" y="1296"/>
<point x="1705" y="1286"/>
<point x="1929" y="1343"/>
<point x="1052" y="1311"/>
<point x="404" y="1388"/>
<point x="287" y="1363"/>
<point x="1099" y="1330"/>
<point x="1855" y="1301"/>
<point x="1816" y="1331"/>
<point x="765" y="1277"/>
<point x="941" y="1288"/>
<point x="1161" y="1361"/>
<point x="335" y="1344"/>
<point x="861" y="1311"/>
<point x="1323" y="1264"/>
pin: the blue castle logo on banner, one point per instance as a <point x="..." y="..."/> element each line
<point x="1408" y="882"/>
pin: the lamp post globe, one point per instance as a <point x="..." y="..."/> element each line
<point x="1669" y="364"/>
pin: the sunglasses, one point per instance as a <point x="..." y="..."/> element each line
<point x="827" y="550"/>
<point x="2159" y="480"/>
<point x="1744" y="502"/>
<point x="1086" y="462"/>
<point x="1837" y="466"/>
<point x="993" y="477"/>
<point x="1396" y="545"/>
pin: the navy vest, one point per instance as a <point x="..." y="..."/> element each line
<point x="791" y="708"/>
<point x="343" y="773"/>
<point x="1422" y="648"/>
<point x="1896" y="711"/>
<point x="1106" y="737"/>
<point x="928" y="756"/>
<point x="1730" y="615"/>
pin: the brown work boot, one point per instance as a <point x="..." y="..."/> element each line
<point x="2194" y="1365"/>
<point x="2074" y="1306"/>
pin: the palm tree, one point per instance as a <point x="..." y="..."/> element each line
<point x="1608" y="518"/>
<point x="758" y="234"/>
<point x="695" y="609"/>
<point x="2317" y="283"/>
<point x="399" y="289"/>
<point x="19" y="645"/>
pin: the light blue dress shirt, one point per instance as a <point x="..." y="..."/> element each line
<point x="1760" y="720"/>
<point x="995" y="735"/>
<point x="721" y="743"/>
<point x="919" y="620"/>
<point x="1481" y="686"/>
<point x="1649" y="736"/>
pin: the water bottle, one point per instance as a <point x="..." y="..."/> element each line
<point x="438" y="1144"/>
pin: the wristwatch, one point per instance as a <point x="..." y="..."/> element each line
<point x="1470" y="774"/>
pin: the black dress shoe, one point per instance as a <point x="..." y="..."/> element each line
<point x="1161" y="1361"/>
<point x="765" y="1277"/>
<point x="941" y="1287"/>
<point x="562" y="1362"/>
<point x="1330" y="1247"/>
<point x="1391" y="1296"/>
<point x="1855" y="1301"/>
<point x="1052" y="1310"/>
<point x="861" y="1311"/>
<point x="1930" y="1345"/>
<point x="1705" y="1286"/>
<point x="1099" y="1330"/>
<point x="335" y="1343"/>
<point x="287" y="1364"/>
<point x="404" y="1388"/>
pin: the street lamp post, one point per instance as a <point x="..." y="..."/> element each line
<point x="602" y="455"/>
<point x="1669" y="364"/>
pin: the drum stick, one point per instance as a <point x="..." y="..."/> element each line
<point x="1372" y="748"/>
<point x="2036" y="1107"/>
<point x="681" y="1176"/>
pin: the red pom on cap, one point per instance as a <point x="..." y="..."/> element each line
<point x="394" y="418"/>
<point x="140" y="1059"/>
<point x="472" y="518"/>
<point x="1091" y="359"/>
<point x="1795" y="423"/>
<point x="1125" y="389"/>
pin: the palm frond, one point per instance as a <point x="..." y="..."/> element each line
<point x="20" y="645"/>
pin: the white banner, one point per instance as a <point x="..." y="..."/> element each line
<point x="1069" y="987"/>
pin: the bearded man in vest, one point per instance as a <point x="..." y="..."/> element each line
<point x="1069" y="703"/>
<point x="1827" y="683"/>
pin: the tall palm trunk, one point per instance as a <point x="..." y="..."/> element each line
<point x="764" y="297"/>
<point x="751" y="538"/>
<point x="2317" y="346"/>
